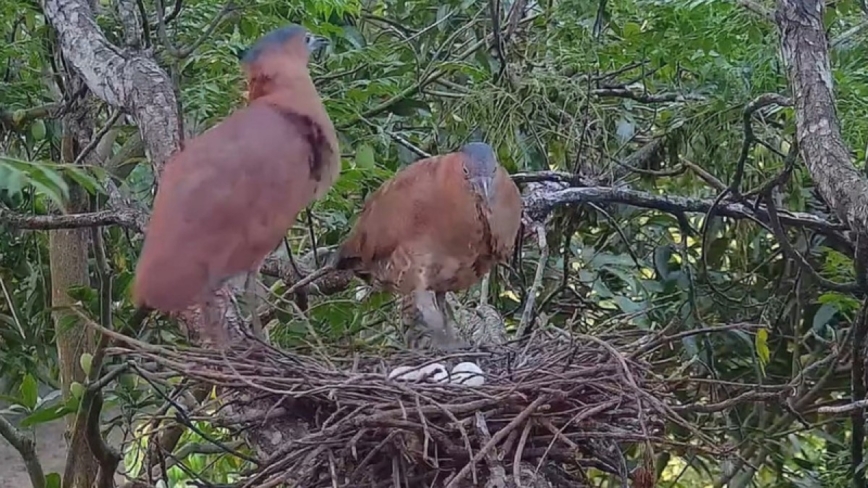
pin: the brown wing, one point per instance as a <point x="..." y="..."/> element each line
<point x="419" y="226"/>
<point x="223" y="204"/>
<point x="505" y="216"/>
<point x="389" y="215"/>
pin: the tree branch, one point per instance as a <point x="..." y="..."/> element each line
<point x="624" y="92"/>
<point x="26" y="448"/>
<point x="805" y="52"/>
<point x="126" y="218"/>
<point x="128" y="80"/>
<point x="538" y="204"/>
<point x="15" y="119"/>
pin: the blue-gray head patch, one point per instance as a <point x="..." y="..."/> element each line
<point x="278" y="38"/>
<point x="480" y="167"/>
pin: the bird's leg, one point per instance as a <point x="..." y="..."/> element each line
<point x="446" y="312"/>
<point x="212" y="322"/>
<point x="432" y="315"/>
<point x="252" y="303"/>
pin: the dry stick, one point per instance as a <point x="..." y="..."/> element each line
<point x="516" y="461"/>
<point x="527" y="315"/>
<point x="557" y="434"/>
<point x="845" y="409"/>
<point x="499" y="436"/>
<point x="325" y="270"/>
<point x="497" y="475"/>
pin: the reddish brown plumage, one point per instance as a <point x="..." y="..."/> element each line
<point x="426" y="230"/>
<point x="228" y="198"/>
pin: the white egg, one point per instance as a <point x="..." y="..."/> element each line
<point x="439" y="373"/>
<point x="468" y="374"/>
<point x="404" y="373"/>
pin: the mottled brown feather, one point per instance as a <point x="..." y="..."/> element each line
<point x="426" y="229"/>
<point x="228" y="198"/>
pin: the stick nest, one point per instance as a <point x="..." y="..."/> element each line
<point x="555" y="406"/>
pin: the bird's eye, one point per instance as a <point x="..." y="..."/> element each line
<point x="466" y="171"/>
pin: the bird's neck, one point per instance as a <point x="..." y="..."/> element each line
<point x="266" y="83"/>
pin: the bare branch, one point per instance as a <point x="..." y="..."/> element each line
<point x="844" y="409"/>
<point x="541" y="203"/>
<point x="125" y="218"/>
<point x="527" y="315"/>
<point x="132" y="81"/>
<point x="647" y="97"/>
<point x="130" y="18"/>
<point x="26" y="448"/>
<point x="805" y="52"/>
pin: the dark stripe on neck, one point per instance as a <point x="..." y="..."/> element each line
<point x="315" y="137"/>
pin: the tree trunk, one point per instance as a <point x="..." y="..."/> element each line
<point x="69" y="268"/>
<point x="805" y="52"/>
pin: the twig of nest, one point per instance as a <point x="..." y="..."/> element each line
<point x="567" y="404"/>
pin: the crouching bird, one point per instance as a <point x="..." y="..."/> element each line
<point x="227" y="199"/>
<point x="438" y="225"/>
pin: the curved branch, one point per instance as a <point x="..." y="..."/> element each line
<point x="129" y="80"/>
<point x="27" y="448"/>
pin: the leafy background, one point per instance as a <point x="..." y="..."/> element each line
<point x="582" y="86"/>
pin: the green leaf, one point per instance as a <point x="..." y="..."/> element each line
<point x="365" y="156"/>
<point x="762" y="347"/>
<point x="52" y="480"/>
<point x="37" y="130"/>
<point x="85" y="180"/>
<point x="626" y="305"/>
<point x="18" y="116"/>
<point x="86" y="361"/>
<point x="49" y="413"/>
<point x="631" y="29"/>
<point x="29" y="391"/>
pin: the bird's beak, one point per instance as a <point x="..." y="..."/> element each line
<point x="315" y="43"/>
<point x="484" y="186"/>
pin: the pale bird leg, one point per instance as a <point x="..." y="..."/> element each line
<point x="442" y="336"/>
<point x="251" y="300"/>
<point x="449" y="318"/>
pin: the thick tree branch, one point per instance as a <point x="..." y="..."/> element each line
<point x="539" y="204"/>
<point x="26" y="448"/>
<point x="129" y="80"/>
<point x="126" y="218"/>
<point x="805" y="52"/>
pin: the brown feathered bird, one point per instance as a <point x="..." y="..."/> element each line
<point x="228" y="198"/>
<point x="438" y="225"/>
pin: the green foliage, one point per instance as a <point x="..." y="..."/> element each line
<point x="574" y="92"/>
<point x="48" y="179"/>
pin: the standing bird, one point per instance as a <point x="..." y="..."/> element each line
<point x="228" y="198"/>
<point x="438" y="225"/>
